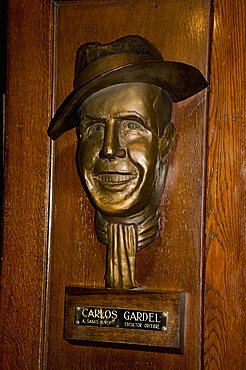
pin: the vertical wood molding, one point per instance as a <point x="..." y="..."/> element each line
<point x="225" y="286"/>
<point x="26" y="178"/>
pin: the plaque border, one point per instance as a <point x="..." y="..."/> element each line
<point x="171" y="341"/>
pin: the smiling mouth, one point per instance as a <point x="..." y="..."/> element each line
<point x="115" y="177"/>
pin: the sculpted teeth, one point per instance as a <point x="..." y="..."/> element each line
<point x="109" y="177"/>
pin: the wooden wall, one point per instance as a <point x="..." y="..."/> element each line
<point x="225" y="255"/>
<point x="201" y="248"/>
<point x="25" y="184"/>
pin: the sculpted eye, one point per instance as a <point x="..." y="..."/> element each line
<point x="95" y="128"/>
<point x="132" y="126"/>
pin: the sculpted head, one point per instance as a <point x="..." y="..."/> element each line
<point x="124" y="136"/>
<point x="121" y="107"/>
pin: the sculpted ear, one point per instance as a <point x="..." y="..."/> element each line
<point x="166" y="141"/>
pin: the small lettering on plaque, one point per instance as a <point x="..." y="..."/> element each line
<point x="121" y="318"/>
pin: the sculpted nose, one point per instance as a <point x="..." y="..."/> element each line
<point x="111" y="145"/>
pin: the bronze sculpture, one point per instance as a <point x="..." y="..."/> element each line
<point x="121" y="106"/>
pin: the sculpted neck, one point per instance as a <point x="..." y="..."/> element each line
<point x="124" y="237"/>
<point x="146" y="224"/>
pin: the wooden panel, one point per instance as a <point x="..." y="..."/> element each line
<point x="174" y="260"/>
<point x="26" y="174"/>
<point x="225" y="298"/>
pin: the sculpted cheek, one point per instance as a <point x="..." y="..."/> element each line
<point x="138" y="153"/>
<point x="88" y="153"/>
<point x="143" y="154"/>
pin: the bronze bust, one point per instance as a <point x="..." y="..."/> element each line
<point x="121" y="106"/>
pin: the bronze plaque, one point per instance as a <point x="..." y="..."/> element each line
<point x="139" y="317"/>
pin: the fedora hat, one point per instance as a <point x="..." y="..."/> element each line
<point x="128" y="59"/>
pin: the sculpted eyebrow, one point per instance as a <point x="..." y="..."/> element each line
<point x="132" y="116"/>
<point x="98" y="118"/>
<point x="88" y="120"/>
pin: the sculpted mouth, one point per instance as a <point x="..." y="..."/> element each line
<point x="115" y="177"/>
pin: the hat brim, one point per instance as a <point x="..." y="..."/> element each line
<point x="180" y="80"/>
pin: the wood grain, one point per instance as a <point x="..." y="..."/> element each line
<point x="26" y="174"/>
<point x="174" y="260"/>
<point x="225" y="284"/>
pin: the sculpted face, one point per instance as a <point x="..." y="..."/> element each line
<point x="123" y="142"/>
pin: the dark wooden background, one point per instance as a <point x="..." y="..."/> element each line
<point x="49" y="240"/>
